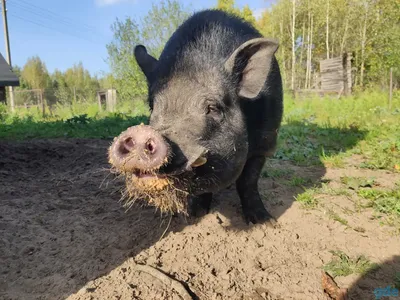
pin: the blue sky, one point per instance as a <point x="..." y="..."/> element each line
<point x="65" y="32"/>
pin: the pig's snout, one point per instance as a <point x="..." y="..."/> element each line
<point x="139" y="149"/>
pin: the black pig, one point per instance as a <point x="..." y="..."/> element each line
<point x="216" y="102"/>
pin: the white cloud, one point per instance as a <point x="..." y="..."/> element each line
<point x="257" y="13"/>
<point x="111" y="2"/>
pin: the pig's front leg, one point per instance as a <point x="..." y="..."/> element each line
<point x="199" y="203"/>
<point x="247" y="188"/>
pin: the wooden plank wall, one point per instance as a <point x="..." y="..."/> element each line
<point x="336" y="74"/>
<point x="111" y="100"/>
<point x="332" y="74"/>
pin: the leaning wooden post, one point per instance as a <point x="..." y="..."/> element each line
<point x="391" y="88"/>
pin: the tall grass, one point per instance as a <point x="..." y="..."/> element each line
<point x="78" y="120"/>
<point x="316" y="131"/>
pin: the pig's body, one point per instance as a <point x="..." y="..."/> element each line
<point x="216" y="89"/>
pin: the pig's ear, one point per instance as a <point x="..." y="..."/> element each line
<point x="250" y="65"/>
<point x="146" y="62"/>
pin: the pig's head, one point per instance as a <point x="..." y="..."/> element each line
<point x="197" y="140"/>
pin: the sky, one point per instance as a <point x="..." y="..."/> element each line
<point x="63" y="33"/>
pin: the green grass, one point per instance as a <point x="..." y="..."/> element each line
<point x="383" y="201"/>
<point x="275" y="173"/>
<point x="308" y="198"/>
<point x="299" y="181"/>
<point x="77" y="127"/>
<point x="355" y="183"/>
<point x="344" y="265"/>
<point x="325" y="132"/>
<point x="65" y="123"/>
<point x="335" y="216"/>
<point x="327" y="190"/>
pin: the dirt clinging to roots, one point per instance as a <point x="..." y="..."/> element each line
<point x="158" y="192"/>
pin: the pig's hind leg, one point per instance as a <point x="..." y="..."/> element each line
<point x="247" y="188"/>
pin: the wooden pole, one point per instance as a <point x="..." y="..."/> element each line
<point x="8" y="52"/>
<point x="74" y="95"/>
<point x="99" y="101"/>
<point x="42" y="101"/>
<point x="391" y="88"/>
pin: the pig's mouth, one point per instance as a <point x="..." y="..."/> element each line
<point x="148" y="175"/>
<point x="164" y="172"/>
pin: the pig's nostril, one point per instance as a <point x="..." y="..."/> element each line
<point x="126" y="146"/>
<point x="129" y="143"/>
<point x="150" y="146"/>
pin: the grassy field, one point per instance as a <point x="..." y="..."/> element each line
<point x="79" y="121"/>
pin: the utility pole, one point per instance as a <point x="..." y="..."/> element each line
<point x="5" y="24"/>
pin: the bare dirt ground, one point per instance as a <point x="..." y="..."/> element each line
<point x="64" y="235"/>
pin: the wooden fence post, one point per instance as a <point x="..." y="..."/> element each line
<point x="391" y="88"/>
<point x="74" y="96"/>
<point x="42" y="102"/>
<point x="99" y="101"/>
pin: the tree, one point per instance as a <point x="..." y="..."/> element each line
<point x="276" y="23"/>
<point x="107" y="81"/>
<point x="160" y="23"/>
<point x="74" y="85"/>
<point x="293" y="32"/>
<point x="247" y="14"/>
<point x="383" y="46"/>
<point x="128" y="77"/>
<point x="228" y="6"/>
<point x="327" y="29"/>
<point x="153" y="32"/>
<point x="35" y="74"/>
<point x="18" y="72"/>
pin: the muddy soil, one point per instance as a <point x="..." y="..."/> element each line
<point x="65" y="235"/>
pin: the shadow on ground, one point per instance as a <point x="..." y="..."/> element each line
<point x="61" y="224"/>
<point x="383" y="282"/>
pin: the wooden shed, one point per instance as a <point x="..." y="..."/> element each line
<point x="7" y="78"/>
<point x="335" y="74"/>
<point x="107" y="99"/>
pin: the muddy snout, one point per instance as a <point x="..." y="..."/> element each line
<point x="139" y="148"/>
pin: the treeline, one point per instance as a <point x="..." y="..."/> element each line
<point x="308" y="31"/>
<point x="74" y="84"/>
<point x="313" y="30"/>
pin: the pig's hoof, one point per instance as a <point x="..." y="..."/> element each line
<point x="259" y="215"/>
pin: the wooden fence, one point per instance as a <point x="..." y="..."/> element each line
<point x="336" y="74"/>
<point x="334" y="78"/>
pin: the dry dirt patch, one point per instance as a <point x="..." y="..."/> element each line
<point x="63" y="235"/>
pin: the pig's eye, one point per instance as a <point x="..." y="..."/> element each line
<point x="215" y="112"/>
<point x="212" y="109"/>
